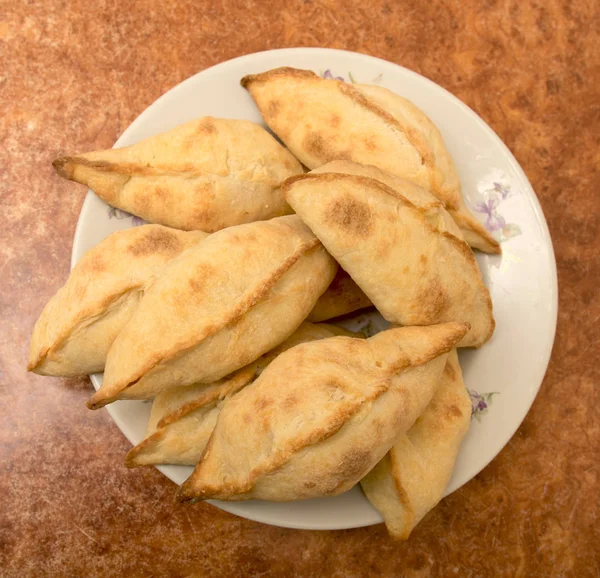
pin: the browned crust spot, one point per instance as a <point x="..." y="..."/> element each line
<point x="433" y="299"/>
<point x="64" y="166"/>
<point x="450" y="371"/>
<point x="402" y="496"/>
<point x="262" y="403"/>
<point x="316" y="145"/>
<point x="97" y="264"/>
<point x="350" y="215"/>
<point x="155" y="241"/>
<point x="454" y="411"/>
<point x="206" y="126"/>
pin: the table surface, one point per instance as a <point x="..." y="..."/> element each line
<point x="75" y="74"/>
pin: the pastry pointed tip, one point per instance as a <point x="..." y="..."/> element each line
<point x="131" y="458"/>
<point x="246" y="80"/>
<point x="474" y="233"/>
<point x="62" y="166"/>
<point x="282" y="71"/>
<point x="486" y="243"/>
<point x="454" y="332"/>
<point x="96" y="401"/>
<point x="185" y="496"/>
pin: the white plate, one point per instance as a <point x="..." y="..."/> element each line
<point x="522" y="281"/>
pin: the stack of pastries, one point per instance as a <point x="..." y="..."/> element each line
<point x="215" y="310"/>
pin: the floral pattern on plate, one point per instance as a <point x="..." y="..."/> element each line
<point x="480" y="403"/>
<point x="329" y="75"/>
<point x="494" y="222"/>
<point x="119" y="214"/>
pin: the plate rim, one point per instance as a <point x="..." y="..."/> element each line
<point x="532" y="197"/>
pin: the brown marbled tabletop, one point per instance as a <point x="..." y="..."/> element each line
<point x="73" y="75"/>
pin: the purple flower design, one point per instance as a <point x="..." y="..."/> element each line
<point x="493" y="221"/>
<point x="330" y="76"/>
<point x="113" y="212"/>
<point x="501" y="190"/>
<point x="480" y="403"/>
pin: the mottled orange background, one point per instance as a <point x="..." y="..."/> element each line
<point x="73" y="75"/>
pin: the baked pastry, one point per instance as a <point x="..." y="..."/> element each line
<point x="218" y="307"/>
<point x="207" y="174"/>
<point x="412" y="477"/>
<point x="343" y="296"/>
<point x="79" y="324"/>
<point x="183" y="418"/>
<point x="400" y="255"/>
<point x="321" y="416"/>
<point x="321" y="120"/>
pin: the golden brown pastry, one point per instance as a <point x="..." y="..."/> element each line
<point x="412" y="477"/>
<point x="207" y="174"/>
<point x="413" y="270"/>
<point x="343" y="296"/>
<point x="321" y="416"/>
<point x="323" y="120"/>
<point x="183" y="418"/>
<point x="218" y="307"/>
<point x="79" y="324"/>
